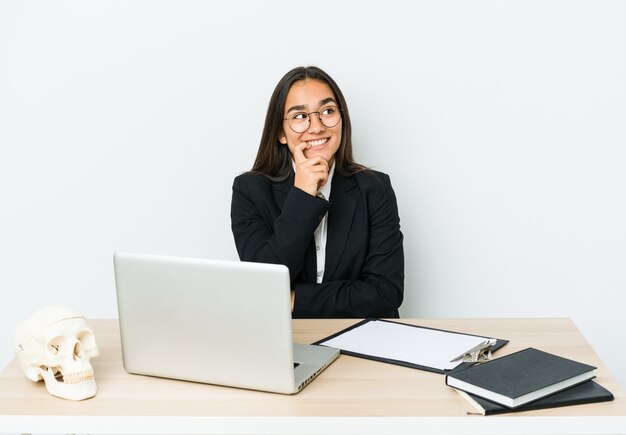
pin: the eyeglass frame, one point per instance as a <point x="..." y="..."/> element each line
<point x="319" y="117"/>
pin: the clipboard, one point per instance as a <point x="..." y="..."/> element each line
<point x="407" y="345"/>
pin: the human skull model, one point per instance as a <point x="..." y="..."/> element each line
<point x="55" y="344"/>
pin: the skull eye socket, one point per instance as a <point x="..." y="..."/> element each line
<point x="77" y="350"/>
<point x="54" y="345"/>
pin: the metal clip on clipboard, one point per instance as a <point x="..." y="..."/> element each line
<point x="479" y="353"/>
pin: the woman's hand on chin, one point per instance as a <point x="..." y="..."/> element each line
<point x="311" y="174"/>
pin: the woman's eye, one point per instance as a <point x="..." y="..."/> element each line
<point x="300" y="116"/>
<point x="328" y="111"/>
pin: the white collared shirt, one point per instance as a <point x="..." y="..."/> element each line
<point x="321" y="232"/>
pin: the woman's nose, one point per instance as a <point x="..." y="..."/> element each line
<point x="316" y="123"/>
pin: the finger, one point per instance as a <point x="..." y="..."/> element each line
<point x="320" y="176"/>
<point x="298" y="153"/>
<point x="315" y="161"/>
<point x="322" y="182"/>
<point x="308" y="177"/>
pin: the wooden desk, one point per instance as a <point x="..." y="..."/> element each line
<point x="352" y="396"/>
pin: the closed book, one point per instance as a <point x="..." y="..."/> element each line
<point x="587" y="392"/>
<point x="521" y="377"/>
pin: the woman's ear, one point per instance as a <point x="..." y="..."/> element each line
<point x="282" y="139"/>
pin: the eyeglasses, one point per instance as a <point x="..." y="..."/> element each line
<point x="300" y="122"/>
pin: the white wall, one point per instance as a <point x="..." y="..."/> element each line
<point x="502" y="124"/>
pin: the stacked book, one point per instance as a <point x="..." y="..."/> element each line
<point x="524" y="380"/>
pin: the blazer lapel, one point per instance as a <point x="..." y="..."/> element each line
<point x="340" y="216"/>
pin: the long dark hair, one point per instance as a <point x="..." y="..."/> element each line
<point x="274" y="158"/>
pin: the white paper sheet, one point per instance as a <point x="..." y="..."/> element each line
<point x="391" y="340"/>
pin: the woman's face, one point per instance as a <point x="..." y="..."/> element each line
<point x="304" y="97"/>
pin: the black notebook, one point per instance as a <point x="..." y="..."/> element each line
<point x="521" y="377"/>
<point x="587" y="392"/>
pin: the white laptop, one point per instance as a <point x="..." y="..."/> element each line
<point x="217" y="322"/>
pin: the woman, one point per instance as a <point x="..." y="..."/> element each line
<point x="306" y="204"/>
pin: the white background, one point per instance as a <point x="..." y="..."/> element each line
<point x="502" y="125"/>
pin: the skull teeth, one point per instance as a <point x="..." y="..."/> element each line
<point x="78" y="377"/>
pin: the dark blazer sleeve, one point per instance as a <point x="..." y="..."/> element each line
<point x="273" y="224"/>
<point x="364" y="272"/>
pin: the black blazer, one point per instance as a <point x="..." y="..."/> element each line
<point x="273" y="222"/>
